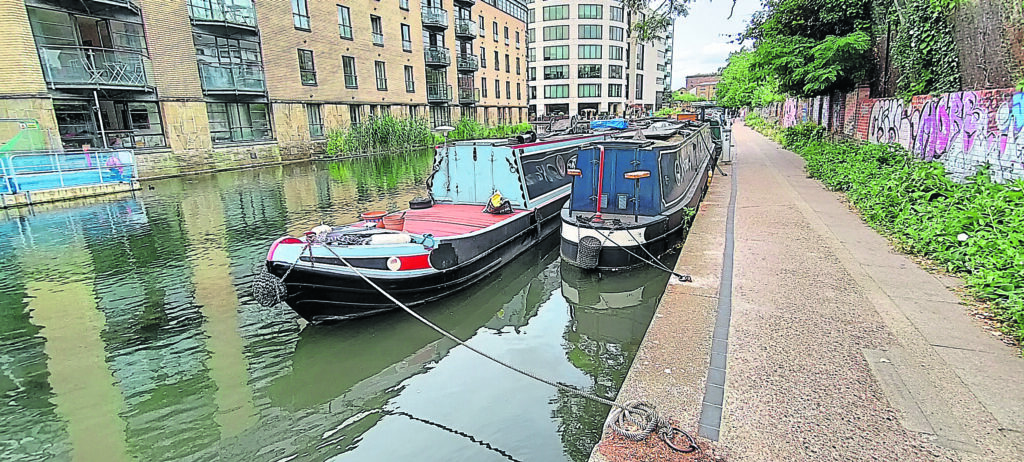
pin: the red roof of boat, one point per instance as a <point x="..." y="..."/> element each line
<point x="450" y="220"/>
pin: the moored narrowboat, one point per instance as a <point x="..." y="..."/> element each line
<point x="439" y="245"/>
<point x="631" y="199"/>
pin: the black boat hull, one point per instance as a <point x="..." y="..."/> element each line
<point x="318" y="295"/>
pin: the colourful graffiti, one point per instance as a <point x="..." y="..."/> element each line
<point x="962" y="130"/>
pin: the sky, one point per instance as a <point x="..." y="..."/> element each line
<point x="702" y="39"/>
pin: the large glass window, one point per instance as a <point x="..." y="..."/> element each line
<point x="483" y="87"/>
<point x="403" y="4"/>
<point x="508" y="67"/>
<point x="589" y="52"/>
<point x="410" y="82"/>
<point x="639" y="86"/>
<point x="300" y="14"/>
<point x="377" y="30"/>
<point x="531" y="55"/>
<point x="616" y="33"/>
<point x="497" y="89"/>
<point x="348" y="67"/>
<point x="556" y="91"/>
<point x="519" y="91"/>
<point x="552" y="13"/>
<point x="556" y="53"/>
<point x="344" y="22"/>
<point x="307" y="71"/>
<point x="614" y="90"/>
<point x="231" y="122"/>
<point x="314" y="117"/>
<point x="531" y="73"/>
<point x="483" y="58"/>
<point x="508" y="89"/>
<point x="556" y="72"/>
<point x="556" y="33"/>
<point x="483" y="26"/>
<point x="588" y="90"/>
<point x="589" y="11"/>
<point x="589" y="31"/>
<point x="519" y="66"/>
<point x="589" y="71"/>
<point x="615" y="53"/>
<point x="494" y="28"/>
<point x="497" y="64"/>
<point x="382" y="75"/>
<point x="614" y="72"/>
<point x="529" y="36"/>
<point x="615" y="14"/>
<point x="531" y="92"/>
<point x="132" y="124"/>
<point x="406" y="38"/>
<point x="639" y="57"/>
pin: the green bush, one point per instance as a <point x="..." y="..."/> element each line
<point x="382" y="133"/>
<point x="974" y="228"/>
<point x="469" y="129"/>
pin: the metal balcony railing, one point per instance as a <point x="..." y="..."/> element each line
<point x="378" y="38"/>
<point x="439" y="93"/>
<point x="129" y="4"/>
<point x="468" y="95"/>
<point x="466" y="62"/>
<point x="39" y="170"/>
<point x="437" y="56"/>
<point x="88" y="67"/>
<point x="436" y="18"/>
<point x="465" y="2"/>
<point x="231" y="12"/>
<point x="465" y="29"/>
<point x="232" y="78"/>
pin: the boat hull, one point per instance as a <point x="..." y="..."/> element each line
<point x="324" y="294"/>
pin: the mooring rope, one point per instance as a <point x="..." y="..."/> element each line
<point x="653" y="261"/>
<point x="634" y="420"/>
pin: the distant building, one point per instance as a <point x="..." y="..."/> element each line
<point x="703" y="85"/>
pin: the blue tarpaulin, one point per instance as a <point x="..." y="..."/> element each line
<point x="610" y="124"/>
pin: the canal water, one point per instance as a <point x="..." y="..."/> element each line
<point x="128" y="332"/>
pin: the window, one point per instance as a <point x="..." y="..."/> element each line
<point x="348" y="66"/>
<point x="556" y="33"/>
<point x="615" y="14"/>
<point x="508" y="68"/>
<point x="517" y="40"/>
<point x="519" y="91"/>
<point x="588" y="90"/>
<point x="589" y="12"/>
<point x="589" y="32"/>
<point x="552" y="13"/>
<point x="639" y="86"/>
<point x="353" y="114"/>
<point x="406" y="38"/>
<point x="556" y="91"/>
<point x="300" y="14"/>
<point x="518" y="66"/>
<point x="440" y="115"/>
<point x="614" y="72"/>
<point x="615" y="53"/>
<point x="483" y="26"/>
<point x="483" y="58"/>
<point x="494" y="28"/>
<point x="589" y="71"/>
<point x="497" y="89"/>
<point x="589" y="52"/>
<point x="531" y="92"/>
<point x="639" y="56"/>
<point x="230" y="122"/>
<point x="531" y="55"/>
<point x="307" y="72"/>
<point x="403" y="4"/>
<point x="556" y="53"/>
<point x="315" y="120"/>
<point x="344" y="23"/>
<point x="529" y="18"/>
<point x="483" y="87"/>
<point x="497" y="65"/>
<point x="508" y="89"/>
<point x="556" y="72"/>
<point x="615" y="33"/>
<point x="615" y="90"/>
<point x="529" y="36"/>
<point x="410" y="83"/>
<point x="506" y="35"/>
<point x="531" y="73"/>
<point x="382" y="75"/>
<point x="378" y="31"/>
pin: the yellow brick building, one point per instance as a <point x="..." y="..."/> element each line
<point x="196" y="85"/>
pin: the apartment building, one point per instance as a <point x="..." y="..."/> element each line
<point x="583" y="60"/>
<point x="203" y="84"/>
<point x="703" y="85"/>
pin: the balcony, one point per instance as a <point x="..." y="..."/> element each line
<point x="96" y="68"/>
<point x="465" y="29"/>
<point x="468" y="96"/>
<point x="466" y="62"/>
<point x="465" y="3"/>
<point x="221" y="78"/>
<point x="227" y="13"/>
<point x="435" y="18"/>
<point x="437" y="57"/>
<point x="439" y="93"/>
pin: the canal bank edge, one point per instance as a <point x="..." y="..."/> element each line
<point x="682" y="326"/>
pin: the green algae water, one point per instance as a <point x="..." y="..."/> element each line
<point x="127" y="332"/>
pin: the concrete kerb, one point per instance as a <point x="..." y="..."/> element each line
<point x="672" y="364"/>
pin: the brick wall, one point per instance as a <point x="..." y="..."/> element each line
<point x="169" y="38"/>
<point x="18" y="47"/>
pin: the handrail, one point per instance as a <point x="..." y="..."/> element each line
<point x="239" y="12"/>
<point x="39" y="170"/>
<point x="93" y="66"/>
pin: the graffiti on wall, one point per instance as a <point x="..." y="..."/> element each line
<point x="962" y="130"/>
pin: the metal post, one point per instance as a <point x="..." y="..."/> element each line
<point x="99" y="118"/>
<point x="60" y="174"/>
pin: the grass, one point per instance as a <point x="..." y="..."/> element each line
<point x="385" y="133"/>
<point x="974" y="229"/>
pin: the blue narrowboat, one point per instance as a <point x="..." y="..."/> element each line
<point x="631" y="199"/>
<point x="439" y="245"/>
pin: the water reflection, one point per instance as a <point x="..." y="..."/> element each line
<point x="127" y="332"/>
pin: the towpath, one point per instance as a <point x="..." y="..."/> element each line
<point x="838" y="348"/>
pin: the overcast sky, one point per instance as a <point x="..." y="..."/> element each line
<point x="702" y="38"/>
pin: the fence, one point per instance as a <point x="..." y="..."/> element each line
<point x="33" y="171"/>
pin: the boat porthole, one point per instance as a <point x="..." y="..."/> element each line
<point x="394" y="264"/>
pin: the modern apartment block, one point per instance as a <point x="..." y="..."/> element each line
<point x="203" y="84"/>
<point x="583" y="60"/>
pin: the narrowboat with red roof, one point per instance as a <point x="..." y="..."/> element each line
<point x="446" y="243"/>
